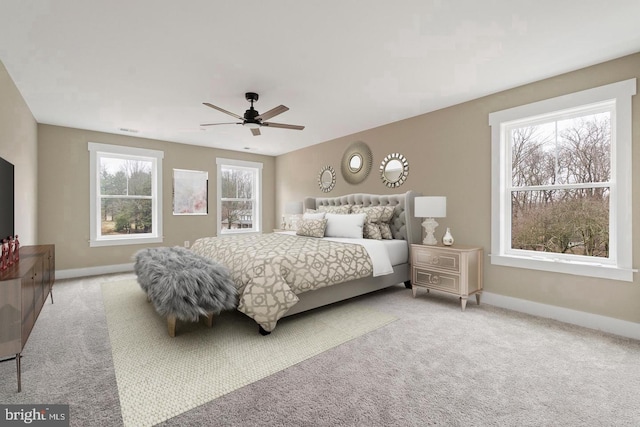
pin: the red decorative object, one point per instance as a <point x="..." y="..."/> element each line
<point x="10" y="255"/>
<point x="4" y="258"/>
<point x="16" y="249"/>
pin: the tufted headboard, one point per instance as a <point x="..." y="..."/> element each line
<point x="404" y="224"/>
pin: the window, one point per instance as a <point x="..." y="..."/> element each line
<point x="561" y="184"/>
<point x="239" y="196"/>
<point x="126" y="195"/>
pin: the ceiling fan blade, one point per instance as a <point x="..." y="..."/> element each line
<point x="255" y="132"/>
<point x="283" y="126"/>
<point x="215" y="124"/>
<point x="223" y="110"/>
<point x="273" y="112"/>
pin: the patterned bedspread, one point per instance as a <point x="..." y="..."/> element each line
<point x="271" y="269"/>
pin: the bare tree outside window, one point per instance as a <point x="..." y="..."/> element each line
<point x="237" y="200"/>
<point x="560" y="186"/>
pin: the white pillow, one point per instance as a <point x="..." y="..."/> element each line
<point x="309" y="215"/>
<point x="341" y="225"/>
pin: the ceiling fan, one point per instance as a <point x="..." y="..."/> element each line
<point x="252" y="118"/>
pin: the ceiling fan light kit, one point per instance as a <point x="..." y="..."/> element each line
<point x="252" y="119"/>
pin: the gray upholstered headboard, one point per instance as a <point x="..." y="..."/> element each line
<point x="404" y="224"/>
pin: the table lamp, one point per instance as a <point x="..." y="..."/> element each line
<point x="430" y="207"/>
<point x="291" y="210"/>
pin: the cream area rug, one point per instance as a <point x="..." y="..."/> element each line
<point x="160" y="377"/>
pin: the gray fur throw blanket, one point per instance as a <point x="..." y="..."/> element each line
<point x="184" y="284"/>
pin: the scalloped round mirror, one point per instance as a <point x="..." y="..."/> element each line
<point x="327" y="179"/>
<point x="394" y="170"/>
<point x="356" y="162"/>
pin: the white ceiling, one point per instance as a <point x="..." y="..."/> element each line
<point x="341" y="66"/>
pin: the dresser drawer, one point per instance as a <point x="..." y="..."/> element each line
<point x="436" y="280"/>
<point x="424" y="257"/>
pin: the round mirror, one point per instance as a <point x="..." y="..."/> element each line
<point x="327" y="179"/>
<point x="356" y="162"/>
<point x="394" y="170"/>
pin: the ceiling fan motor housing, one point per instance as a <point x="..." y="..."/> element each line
<point x="251" y="114"/>
<point x="251" y="96"/>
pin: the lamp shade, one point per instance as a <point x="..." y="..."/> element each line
<point x="430" y="207"/>
<point x="293" y="208"/>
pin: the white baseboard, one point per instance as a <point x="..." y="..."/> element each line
<point x="93" y="271"/>
<point x="588" y="320"/>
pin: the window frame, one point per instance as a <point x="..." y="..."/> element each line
<point x="619" y="264"/>
<point x="96" y="152"/>
<point x="256" y="168"/>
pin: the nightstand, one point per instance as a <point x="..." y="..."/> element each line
<point x="456" y="270"/>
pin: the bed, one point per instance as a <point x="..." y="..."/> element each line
<point x="282" y="274"/>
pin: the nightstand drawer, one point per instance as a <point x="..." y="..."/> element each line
<point x="436" y="280"/>
<point x="434" y="258"/>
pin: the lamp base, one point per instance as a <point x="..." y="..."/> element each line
<point x="430" y="225"/>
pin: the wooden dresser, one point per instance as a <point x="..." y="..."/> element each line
<point x="454" y="269"/>
<point x="24" y="287"/>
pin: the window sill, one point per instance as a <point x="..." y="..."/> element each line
<point x="555" y="266"/>
<point x="121" y="241"/>
<point x="231" y="233"/>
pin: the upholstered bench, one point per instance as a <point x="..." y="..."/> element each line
<point x="183" y="285"/>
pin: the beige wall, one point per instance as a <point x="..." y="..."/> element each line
<point x="449" y="153"/>
<point x="64" y="193"/>
<point x="19" y="145"/>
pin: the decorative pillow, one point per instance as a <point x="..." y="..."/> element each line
<point x="371" y="231"/>
<point x="311" y="227"/>
<point x="341" y="225"/>
<point x="387" y="213"/>
<point x="375" y="215"/>
<point x="342" y="209"/>
<point x="373" y="212"/>
<point x="313" y="215"/>
<point x="385" y="231"/>
<point x="385" y="219"/>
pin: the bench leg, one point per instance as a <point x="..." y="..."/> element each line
<point x="171" y="325"/>
<point x="208" y="320"/>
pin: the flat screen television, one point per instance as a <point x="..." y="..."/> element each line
<point x="7" y="198"/>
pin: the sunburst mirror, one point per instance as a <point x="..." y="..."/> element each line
<point x="356" y="162"/>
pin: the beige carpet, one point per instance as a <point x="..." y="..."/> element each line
<point x="160" y="377"/>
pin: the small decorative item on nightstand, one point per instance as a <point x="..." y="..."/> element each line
<point x="447" y="239"/>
